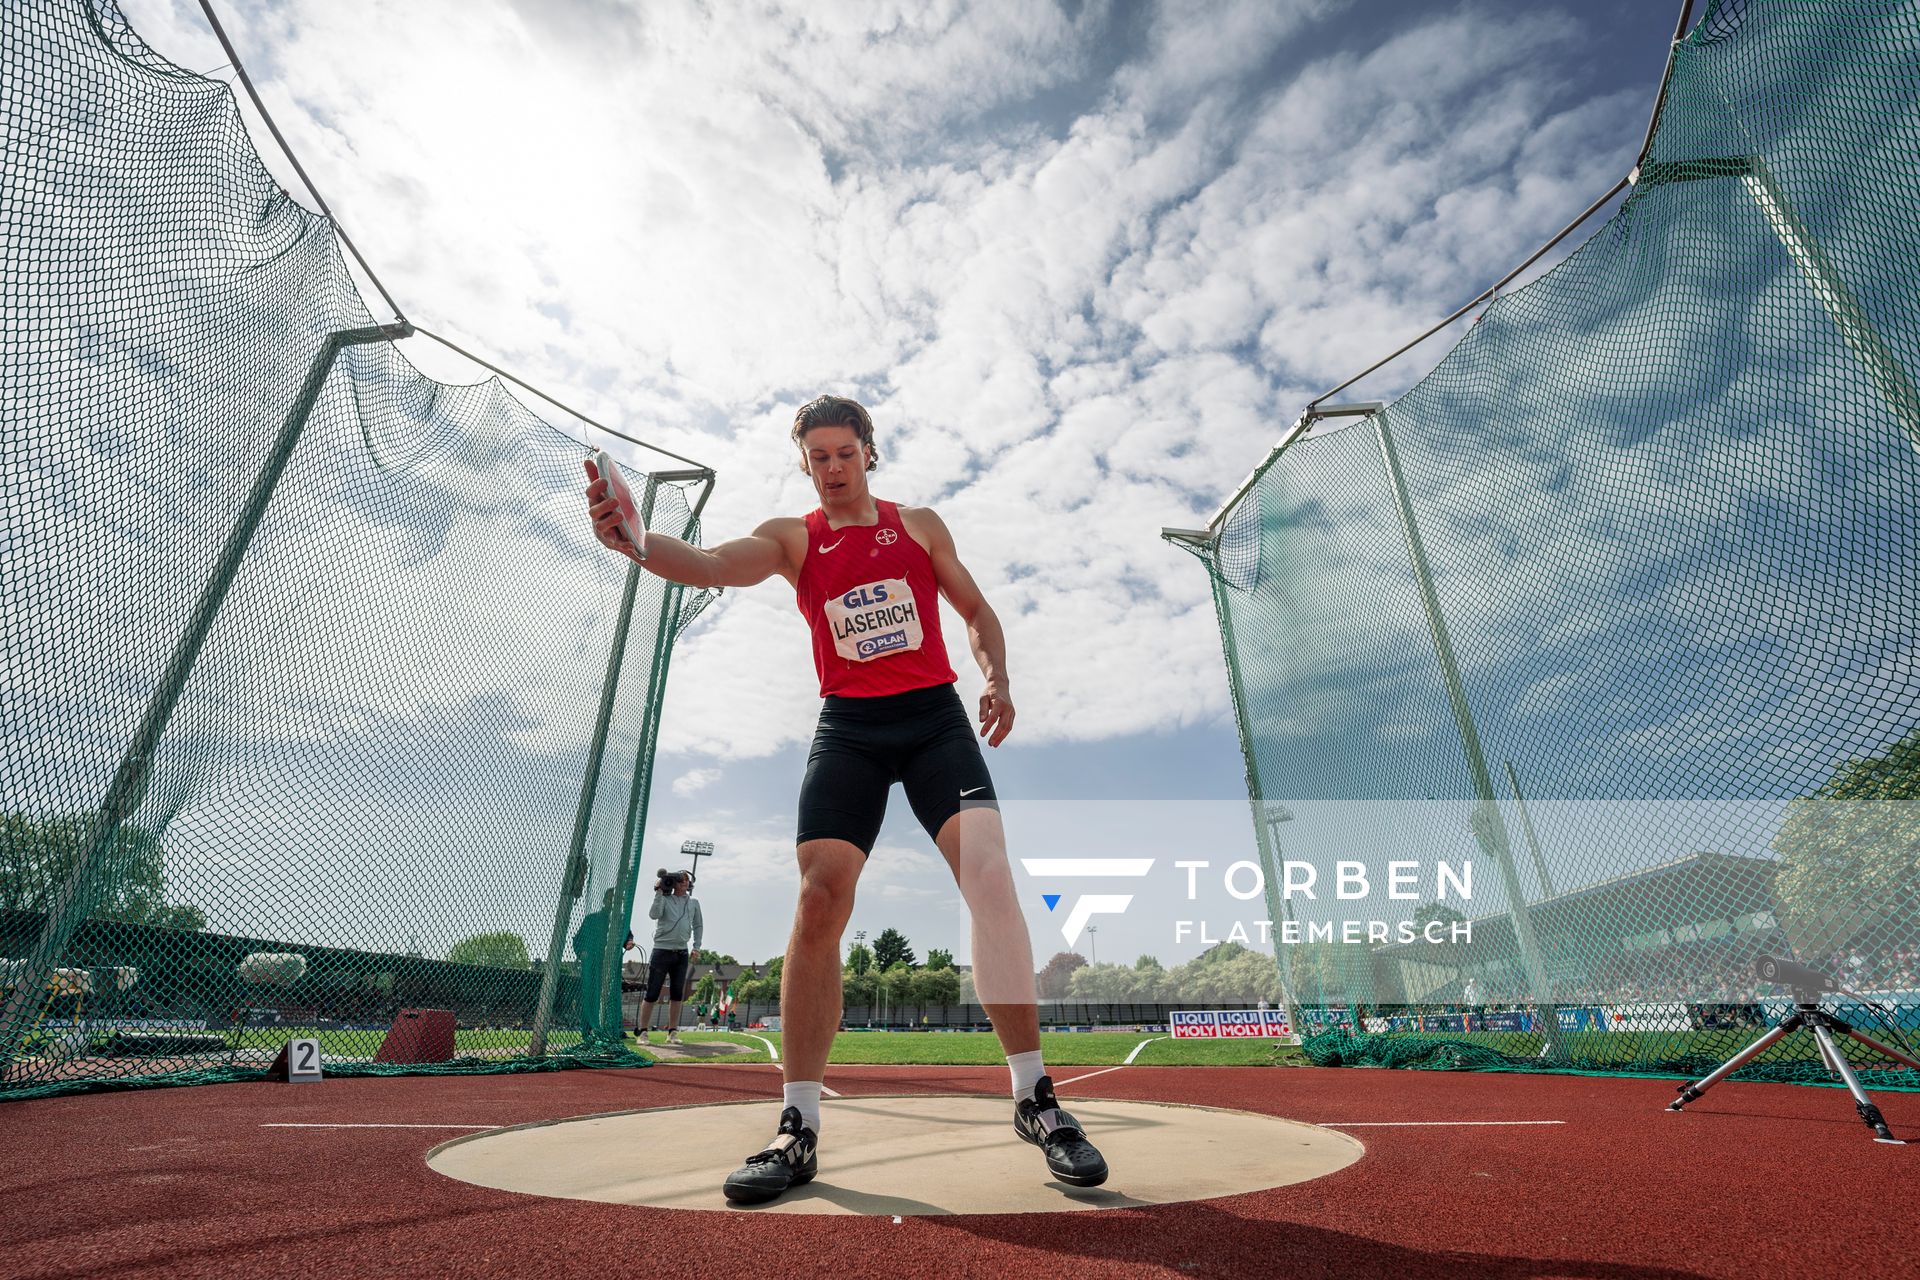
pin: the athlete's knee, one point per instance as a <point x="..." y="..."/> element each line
<point x="979" y="860"/>
<point x="987" y="879"/>
<point x="822" y="903"/>
<point x="826" y="902"/>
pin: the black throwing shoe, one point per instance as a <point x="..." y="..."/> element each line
<point x="1070" y="1156"/>
<point x="789" y="1160"/>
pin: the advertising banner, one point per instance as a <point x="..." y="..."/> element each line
<point x="1230" y="1024"/>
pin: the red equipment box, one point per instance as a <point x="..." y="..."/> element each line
<point x="418" y="1035"/>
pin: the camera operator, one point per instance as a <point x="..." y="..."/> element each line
<point x="676" y="940"/>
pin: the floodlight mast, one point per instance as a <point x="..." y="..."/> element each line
<point x="697" y="849"/>
<point x="1278" y="903"/>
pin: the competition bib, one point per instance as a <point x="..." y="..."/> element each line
<point x="875" y="620"/>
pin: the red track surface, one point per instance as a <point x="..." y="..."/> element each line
<point x="1751" y="1180"/>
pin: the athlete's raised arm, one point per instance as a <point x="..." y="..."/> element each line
<point x="742" y="562"/>
<point x="984" y="636"/>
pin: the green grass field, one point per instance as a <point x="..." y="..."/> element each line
<point x="982" y="1048"/>
<point x="364" y="1044"/>
<point x="1105" y="1048"/>
<point x="954" y="1048"/>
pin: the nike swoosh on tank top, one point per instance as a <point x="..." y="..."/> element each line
<point x="869" y="595"/>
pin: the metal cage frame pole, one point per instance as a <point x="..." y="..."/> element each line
<point x="623" y="883"/>
<point x="131" y="777"/>
<point x="1883" y="368"/>
<point x="1869" y="348"/>
<point x="1256" y="800"/>
<point x="573" y="876"/>
<point x="1278" y="906"/>
<point x="640" y="790"/>
<point x="628" y="875"/>
<point x="1489" y="827"/>
<point x="1533" y="837"/>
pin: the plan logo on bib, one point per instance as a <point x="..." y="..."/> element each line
<point x="870" y="621"/>
<point x="877" y="645"/>
<point x="1093" y="904"/>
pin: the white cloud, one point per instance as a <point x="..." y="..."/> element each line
<point x="1071" y="331"/>
<point x="694" y="781"/>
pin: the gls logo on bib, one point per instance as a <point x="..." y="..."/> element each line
<point x="872" y="621"/>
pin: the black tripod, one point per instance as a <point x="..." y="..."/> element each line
<point x="1808" y="1015"/>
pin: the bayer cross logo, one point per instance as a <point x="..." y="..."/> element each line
<point x="887" y="537"/>
<point x="1093" y="904"/>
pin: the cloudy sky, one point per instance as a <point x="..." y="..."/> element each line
<point x="1084" y="262"/>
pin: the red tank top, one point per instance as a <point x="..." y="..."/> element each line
<point x="869" y="594"/>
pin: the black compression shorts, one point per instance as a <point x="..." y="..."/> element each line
<point x="667" y="969"/>
<point x="921" y="739"/>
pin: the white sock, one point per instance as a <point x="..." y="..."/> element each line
<point x="806" y="1096"/>
<point x="1026" y="1071"/>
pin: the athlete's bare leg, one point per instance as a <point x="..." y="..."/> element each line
<point x="810" y="977"/>
<point x="975" y="846"/>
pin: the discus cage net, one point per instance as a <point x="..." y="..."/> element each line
<point x="1619" y="603"/>
<point x="320" y="701"/>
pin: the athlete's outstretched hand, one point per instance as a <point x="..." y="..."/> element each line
<point x="996" y="714"/>
<point x="605" y="512"/>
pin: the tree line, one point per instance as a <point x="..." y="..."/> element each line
<point x="38" y="856"/>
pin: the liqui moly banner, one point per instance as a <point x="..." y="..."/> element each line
<point x="1194" y="1026"/>
<point x="1229" y="1024"/>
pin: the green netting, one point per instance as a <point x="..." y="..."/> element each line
<point x="361" y="791"/>
<point x="1619" y="602"/>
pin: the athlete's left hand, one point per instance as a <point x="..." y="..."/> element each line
<point x="996" y="714"/>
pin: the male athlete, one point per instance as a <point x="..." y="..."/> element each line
<point x="867" y="573"/>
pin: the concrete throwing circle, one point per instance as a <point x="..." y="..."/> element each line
<point x="906" y="1155"/>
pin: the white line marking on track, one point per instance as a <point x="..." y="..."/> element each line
<point x="771" y="1051"/>
<point x="1137" y="1048"/>
<point x="825" y="1092"/>
<point x="1090" y="1075"/>
<point x="1420" y="1124"/>
<point x="379" y="1126"/>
